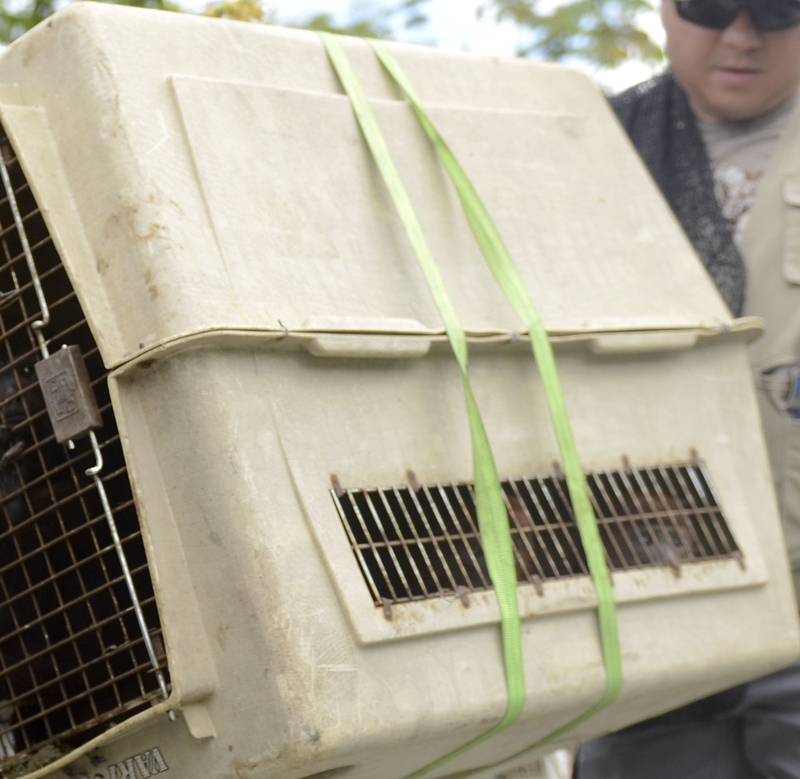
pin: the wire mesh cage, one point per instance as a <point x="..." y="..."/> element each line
<point x="73" y="656"/>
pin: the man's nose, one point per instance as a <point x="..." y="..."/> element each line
<point x="741" y="33"/>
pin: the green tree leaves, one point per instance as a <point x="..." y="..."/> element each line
<point x="367" y="19"/>
<point x="601" y="32"/>
<point x="240" y="11"/>
<point x="16" y="19"/>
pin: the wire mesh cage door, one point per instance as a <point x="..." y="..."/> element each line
<point x="80" y="638"/>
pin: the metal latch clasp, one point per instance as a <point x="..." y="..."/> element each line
<point x="68" y="394"/>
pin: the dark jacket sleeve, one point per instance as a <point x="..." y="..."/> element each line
<point x="657" y="117"/>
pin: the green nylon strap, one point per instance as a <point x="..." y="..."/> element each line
<point x="492" y="517"/>
<point x="509" y="280"/>
<point x="494" y="513"/>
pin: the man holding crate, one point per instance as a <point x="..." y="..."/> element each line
<point x="720" y="133"/>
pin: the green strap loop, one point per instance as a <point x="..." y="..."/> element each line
<point x="489" y="495"/>
<point x="492" y="517"/>
<point x="509" y="280"/>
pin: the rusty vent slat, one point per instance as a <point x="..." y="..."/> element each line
<point x="73" y="659"/>
<point x="416" y="542"/>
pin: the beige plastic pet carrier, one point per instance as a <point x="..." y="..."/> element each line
<point x="281" y="576"/>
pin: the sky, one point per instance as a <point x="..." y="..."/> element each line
<point x="453" y="25"/>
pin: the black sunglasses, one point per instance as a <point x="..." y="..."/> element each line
<point x="767" y="15"/>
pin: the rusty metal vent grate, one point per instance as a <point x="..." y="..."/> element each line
<point x="73" y="657"/>
<point x="416" y="542"/>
